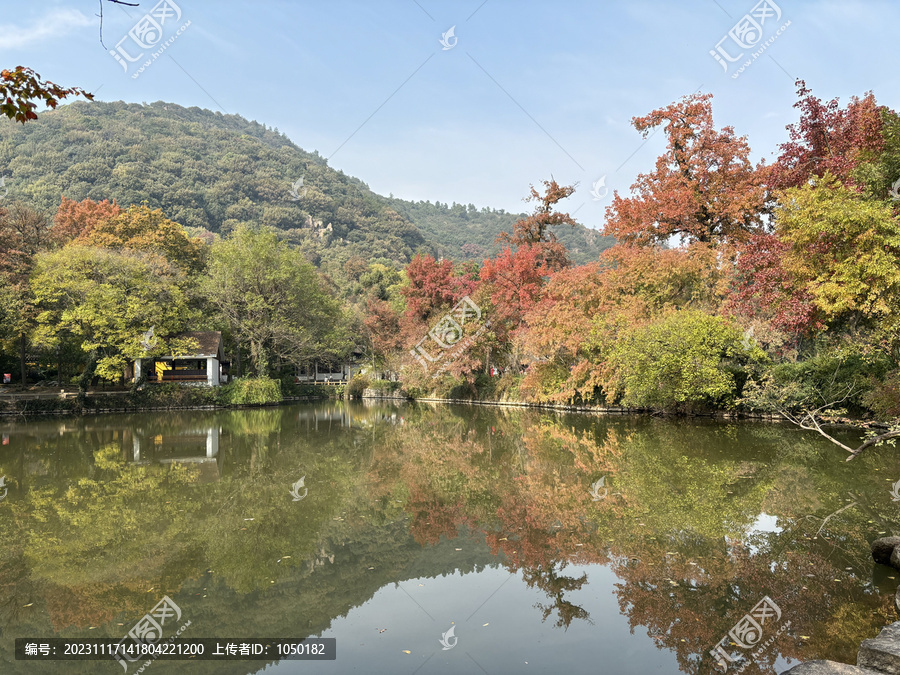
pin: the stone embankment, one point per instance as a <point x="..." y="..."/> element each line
<point x="399" y="394"/>
<point x="877" y="656"/>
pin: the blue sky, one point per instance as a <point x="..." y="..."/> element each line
<point x="528" y="90"/>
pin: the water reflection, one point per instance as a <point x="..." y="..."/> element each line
<point x="416" y="516"/>
<point x="197" y="448"/>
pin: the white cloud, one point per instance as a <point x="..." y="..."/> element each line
<point x="54" y="24"/>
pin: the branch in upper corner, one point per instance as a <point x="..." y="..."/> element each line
<point x="117" y="2"/>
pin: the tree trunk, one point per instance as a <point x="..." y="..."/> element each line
<point x="84" y="380"/>
<point x="22" y="365"/>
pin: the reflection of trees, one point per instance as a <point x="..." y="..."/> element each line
<point x="555" y="585"/>
<point x="86" y="535"/>
<point x="675" y="524"/>
<point x="691" y="571"/>
<point x="520" y="482"/>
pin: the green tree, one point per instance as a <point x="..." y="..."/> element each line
<point x="107" y="299"/>
<point x="675" y="362"/>
<point x="141" y="228"/>
<point x="273" y="300"/>
<point x="23" y="233"/>
<point x="844" y="248"/>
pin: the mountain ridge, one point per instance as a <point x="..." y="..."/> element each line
<point x="210" y="171"/>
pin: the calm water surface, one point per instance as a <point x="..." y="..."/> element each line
<point x="548" y="543"/>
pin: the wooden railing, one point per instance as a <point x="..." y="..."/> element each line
<point x="181" y="376"/>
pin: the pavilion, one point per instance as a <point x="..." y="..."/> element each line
<point x="207" y="366"/>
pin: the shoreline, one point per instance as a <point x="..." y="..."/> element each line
<point x="111" y="407"/>
<point x="62" y="407"/>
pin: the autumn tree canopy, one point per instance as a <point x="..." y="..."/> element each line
<point x="21" y="87"/>
<point x="828" y="138"/>
<point x="77" y="219"/>
<point x="535" y="230"/>
<point x="704" y="187"/>
<point x="141" y="228"/>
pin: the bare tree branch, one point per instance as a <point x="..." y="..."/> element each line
<point x="830" y="516"/>
<point x="814" y="426"/>
<point x="873" y="441"/>
<point x="117" y="2"/>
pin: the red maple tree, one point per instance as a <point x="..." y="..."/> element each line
<point x="704" y="187"/>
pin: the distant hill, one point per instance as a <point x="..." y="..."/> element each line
<point x="212" y="171"/>
<point x="464" y="232"/>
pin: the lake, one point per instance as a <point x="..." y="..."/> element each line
<point x="444" y="539"/>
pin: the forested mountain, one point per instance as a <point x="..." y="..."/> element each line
<point x="212" y="171"/>
<point x="464" y="232"/>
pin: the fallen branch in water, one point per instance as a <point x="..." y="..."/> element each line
<point x="811" y="416"/>
<point x="829" y="517"/>
<point x="875" y="440"/>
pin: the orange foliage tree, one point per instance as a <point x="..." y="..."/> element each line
<point x="21" y="86"/>
<point x="704" y="187"/>
<point x="77" y="219"/>
<point x="535" y="229"/>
